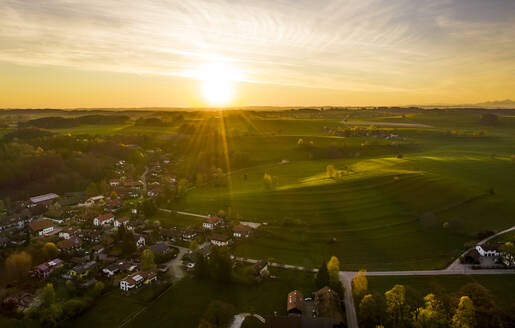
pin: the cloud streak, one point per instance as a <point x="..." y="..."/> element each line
<point x="401" y="45"/>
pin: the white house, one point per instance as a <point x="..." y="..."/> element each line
<point x="219" y="240"/>
<point x="488" y="250"/>
<point x="140" y="241"/>
<point x="42" y="226"/>
<point x="119" y="221"/>
<point x="212" y="222"/>
<point x="241" y="231"/>
<point x="105" y="218"/>
<point x="137" y="279"/>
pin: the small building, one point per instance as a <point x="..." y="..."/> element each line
<point x="261" y="268"/>
<point x="241" y="231"/>
<point x="105" y="218"/>
<point x="67" y="233"/>
<point x="82" y="270"/>
<point x="220" y="240"/>
<point x="45" y="199"/>
<point x="327" y="304"/>
<point x="68" y="245"/>
<point x="137" y="279"/>
<point x="160" y="248"/>
<point x="295" y="304"/>
<point x="119" y="221"/>
<point x="212" y="223"/>
<point x="189" y="234"/>
<point x="44" y="270"/>
<point x="42" y="226"/>
<point x="489" y="250"/>
<point x="114" y="182"/>
<point x="140" y="241"/>
<point x="119" y="267"/>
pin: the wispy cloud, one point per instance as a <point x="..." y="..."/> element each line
<point x="399" y="45"/>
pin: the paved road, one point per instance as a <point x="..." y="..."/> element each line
<point x="175" y="265"/>
<point x="144" y="179"/>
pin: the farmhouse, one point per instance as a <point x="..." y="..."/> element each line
<point x="212" y="222"/>
<point x="241" y="231"/>
<point x="42" y="227"/>
<point x="219" y="239"/>
<point x="189" y="233"/>
<point x="103" y="219"/>
<point x="488" y="250"/>
<point x="328" y="304"/>
<point x="45" y="199"/>
<point x="295" y="304"/>
<point x="43" y="270"/>
<point x="137" y="279"/>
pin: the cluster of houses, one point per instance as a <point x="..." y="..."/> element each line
<point x="323" y="309"/>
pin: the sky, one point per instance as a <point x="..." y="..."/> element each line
<point x="154" y="53"/>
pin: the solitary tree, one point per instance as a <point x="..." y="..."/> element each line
<point x="333" y="267"/>
<point x="193" y="245"/>
<point x="360" y="284"/>
<point x="147" y="260"/>
<point x="331" y="171"/>
<point x="49" y="251"/>
<point x="464" y="317"/>
<point x="322" y="278"/>
<point x="396" y="305"/>
<point x="268" y="181"/>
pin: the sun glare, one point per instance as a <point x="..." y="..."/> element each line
<point x="217" y="83"/>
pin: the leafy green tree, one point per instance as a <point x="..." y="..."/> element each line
<point x="201" y="269"/>
<point x="432" y="315"/>
<point x="397" y="308"/>
<point x="484" y="305"/>
<point x="17" y="265"/>
<point x="147" y="260"/>
<point x="47" y="295"/>
<point x="219" y="314"/>
<point x="465" y="314"/>
<point x="333" y="268"/>
<point x="49" y="251"/>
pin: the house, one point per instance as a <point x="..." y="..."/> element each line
<point x="43" y="270"/>
<point x="219" y="239"/>
<point x="119" y="267"/>
<point x="134" y="185"/>
<point x="45" y="199"/>
<point x="160" y="248"/>
<point x="119" y="221"/>
<point x="261" y="268"/>
<point x="97" y="249"/>
<point x="67" y="245"/>
<point x="295" y="303"/>
<point x="327" y="304"/>
<point x="189" y="234"/>
<point x="82" y="270"/>
<point x="42" y="227"/>
<point x="114" y="182"/>
<point x="154" y="189"/>
<point x="105" y="218"/>
<point x="241" y="231"/>
<point x="212" y="222"/>
<point x="488" y="250"/>
<point x="113" y="205"/>
<point x="137" y="279"/>
<point x="173" y="234"/>
<point x="140" y="241"/>
<point x="67" y="233"/>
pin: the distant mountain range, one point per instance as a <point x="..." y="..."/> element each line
<point x="507" y="103"/>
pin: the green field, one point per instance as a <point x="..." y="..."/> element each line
<point x="370" y="217"/>
<point x="184" y="304"/>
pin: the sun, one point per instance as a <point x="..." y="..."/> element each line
<point x="217" y="83"/>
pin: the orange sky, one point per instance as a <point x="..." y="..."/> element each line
<point x="291" y="53"/>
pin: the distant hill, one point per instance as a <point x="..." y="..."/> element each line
<point x="496" y="104"/>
